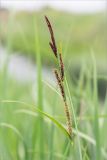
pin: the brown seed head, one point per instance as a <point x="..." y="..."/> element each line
<point x="68" y="117"/>
<point x="60" y="85"/>
<point x="52" y="43"/>
<point x="61" y="67"/>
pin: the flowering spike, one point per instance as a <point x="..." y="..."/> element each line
<point x="60" y="75"/>
<point x="53" y="44"/>
<point x="61" y="67"/>
<point x="60" y="85"/>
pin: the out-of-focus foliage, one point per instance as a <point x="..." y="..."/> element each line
<point x="77" y="33"/>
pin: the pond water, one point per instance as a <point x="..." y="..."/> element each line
<point x="21" y="68"/>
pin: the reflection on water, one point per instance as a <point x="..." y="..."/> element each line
<point x="21" y="68"/>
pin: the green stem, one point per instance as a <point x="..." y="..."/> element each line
<point x="95" y="99"/>
<point x="39" y="84"/>
<point x="73" y="113"/>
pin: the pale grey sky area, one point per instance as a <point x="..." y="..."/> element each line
<point x="76" y="6"/>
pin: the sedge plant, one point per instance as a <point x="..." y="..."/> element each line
<point x="60" y="75"/>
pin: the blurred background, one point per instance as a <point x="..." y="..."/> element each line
<point x="26" y="64"/>
<point x="80" y="26"/>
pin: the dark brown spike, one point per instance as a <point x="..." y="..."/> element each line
<point x="54" y="48"/>
<point x="61" y="67"/>
<point x="60" y="85"/>
<point x="49" y="25"/>
<point x="68" y="117"/>
<point x="51" y="45"/>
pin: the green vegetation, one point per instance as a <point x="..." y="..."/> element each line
<point x="32" y="119"/>
<point x="20" y="120"/>
<point x="77" y="33"/>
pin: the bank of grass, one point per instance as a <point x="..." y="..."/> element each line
<point x="32" y="122"/>
<point x="20" y="120"/>
<point x="77" y="33"/>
